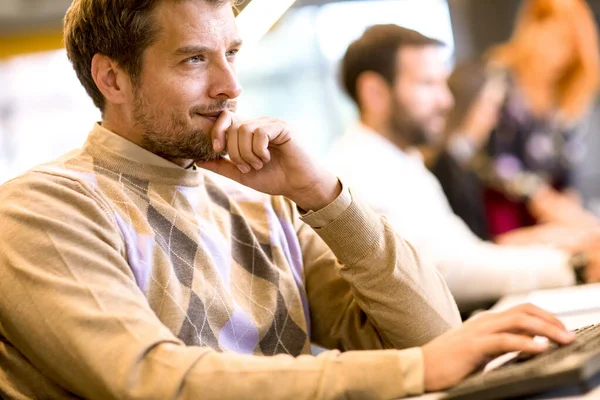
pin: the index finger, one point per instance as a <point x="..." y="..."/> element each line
<point x="536" y="311"/>
<point x="218" y="133"/>
<point x="531" y="325"/>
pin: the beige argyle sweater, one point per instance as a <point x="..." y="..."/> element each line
<point x="123" y="276"/>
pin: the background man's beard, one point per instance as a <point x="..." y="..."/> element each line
<point x="175" y="139"/>
<point x="408" y="131"/>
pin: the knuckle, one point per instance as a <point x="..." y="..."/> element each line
<point x="234" y="154"/>
<point x="233" y="129"/>
<point x="528" y="307"/>
<point x="538" y="325"/>
<point x="246" y="130"/>
<point x="485" y="315"/>
<point x="259" y="151"/>
<point x="514" y="320"/>
<point x="507" y="342"/>
<point x="503" y="340"/>
<point x="521" y="321"/>
<point x="251" y="157"/>
<point x="260" y="133"/>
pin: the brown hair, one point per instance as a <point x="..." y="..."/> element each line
<point x="119" y="29"/>
<point x="579" y="85"/>
<point x="376" y="50"/>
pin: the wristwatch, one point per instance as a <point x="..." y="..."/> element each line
<point x="579" y="262"/>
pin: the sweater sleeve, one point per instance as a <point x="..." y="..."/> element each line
<point x="74" y="323"/>
<point x="367" y="287"/>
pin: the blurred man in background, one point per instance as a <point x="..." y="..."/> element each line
<point x="398" y="79"/>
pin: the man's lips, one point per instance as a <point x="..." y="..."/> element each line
<point x="212" y="116"/>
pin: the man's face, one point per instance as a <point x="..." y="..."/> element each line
<point x="187" y="79"/>
<point x="421" y="98"/>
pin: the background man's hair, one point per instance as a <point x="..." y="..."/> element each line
<point x="376" y="50"/>
<point x="119" y="29"/>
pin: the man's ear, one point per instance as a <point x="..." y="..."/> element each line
<point x="373" y="91"/>
<point x="112" y="80"/>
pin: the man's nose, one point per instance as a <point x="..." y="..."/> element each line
<point x="225" y="83"/>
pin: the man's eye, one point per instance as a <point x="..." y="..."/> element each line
<point x="195" y="59"/>
<point x="232" y="53"/>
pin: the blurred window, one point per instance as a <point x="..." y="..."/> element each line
<point x="44" y="112"/>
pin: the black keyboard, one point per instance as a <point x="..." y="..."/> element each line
<point x="575" y="366"/>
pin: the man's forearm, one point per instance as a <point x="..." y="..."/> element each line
<point x="405" y="298"/>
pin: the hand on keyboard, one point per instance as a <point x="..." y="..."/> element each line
<point x="454" y="355"/>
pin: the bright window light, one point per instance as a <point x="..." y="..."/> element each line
<point x="339" y="24"/>
<point x="258" y="17"/>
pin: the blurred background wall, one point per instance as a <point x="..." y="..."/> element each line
<point x="291" y="73"/>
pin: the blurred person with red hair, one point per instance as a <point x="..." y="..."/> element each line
<point x="552" y="67"/>
<point x="458" y="160"/>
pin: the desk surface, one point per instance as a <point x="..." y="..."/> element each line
<point x="571" y="320"/>
<point x="594" y="394"/>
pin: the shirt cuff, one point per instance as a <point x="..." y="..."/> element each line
<point x="413" y="371"/>
<point x="331" y="212"/>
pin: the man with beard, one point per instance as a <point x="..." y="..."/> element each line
<point x="128" y="270"/>
<point x="398" y="79"/>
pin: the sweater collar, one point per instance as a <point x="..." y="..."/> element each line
<point x="126" y="157"/>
